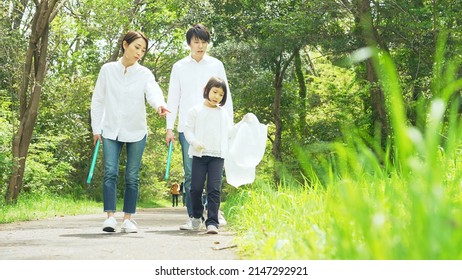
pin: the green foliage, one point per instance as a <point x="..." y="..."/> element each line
<point x="5" y="152"/>
<point x="46" y="174"/>
<point x="401" y="203"/>
<point x="39" y="206"/>
<point x="61" y="148"/>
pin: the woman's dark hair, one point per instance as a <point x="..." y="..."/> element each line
<point x="217" y="83"/>
<point x="132" y="36"/>
<point x="199" y="31"/>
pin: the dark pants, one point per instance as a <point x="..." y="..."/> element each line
<point x="174" y="200"/>
<point x="210" y="168"/>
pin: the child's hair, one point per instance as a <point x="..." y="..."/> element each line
<point x="199" y="31"/>
<point x="132" y="36"/>
<point x="218" y="83"/>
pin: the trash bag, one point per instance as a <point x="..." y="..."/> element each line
<point x="246" y="149"/>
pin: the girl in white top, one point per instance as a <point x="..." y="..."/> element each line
<point x="207" y="131"/>
<point x="118" y="118"/>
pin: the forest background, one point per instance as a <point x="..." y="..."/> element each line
<point x="341" y="83"/>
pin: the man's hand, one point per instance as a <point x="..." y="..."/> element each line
<point x="169" y="136"/>
<point x="97" y="137"/>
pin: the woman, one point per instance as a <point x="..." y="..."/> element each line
<point x="118" y="117"/>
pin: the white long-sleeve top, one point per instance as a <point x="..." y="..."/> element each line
<point x="209" y="127"/>
<point x="118" y="107"/>
<point x="187" y="82"/>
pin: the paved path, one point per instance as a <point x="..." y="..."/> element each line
<point x="81" y="238"/>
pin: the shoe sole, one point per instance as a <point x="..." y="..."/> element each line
<point x="128" y="230"/>
<point x="185" y="228"/>
<point x="212" y="232"/>
<point x="109" y="229"/>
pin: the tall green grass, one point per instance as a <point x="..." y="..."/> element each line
<point x="403" y="202"/>
<point x="35" y="207"/>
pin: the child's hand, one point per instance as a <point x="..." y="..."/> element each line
<point x="198" y="146"/>
<point x="248" y="117"/>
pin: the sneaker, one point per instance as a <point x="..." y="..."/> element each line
<point x="211" y="229"/>
<point x="129" y="226"/>
<point x="197" y="224"/>
<point x="110" y="224"/>
<point x="187" y="225"/>
<point x="221" y="219"/>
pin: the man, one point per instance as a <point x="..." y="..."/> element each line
<point x="187" y="81"/>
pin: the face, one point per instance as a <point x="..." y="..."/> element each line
<point x="198" y="48"/>
<point x="215" y="96"/>
<point x="134" y="52"/>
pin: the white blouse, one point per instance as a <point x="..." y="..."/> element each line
<point x="209" y="127"/>
<point x="118" y="109"/>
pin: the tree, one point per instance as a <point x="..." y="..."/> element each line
<point x="277" y="30"/>
<point x="369" y="37"/>
<point x="33" y="77"/>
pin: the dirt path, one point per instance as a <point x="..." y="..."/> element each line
<point x="81" y="238"/>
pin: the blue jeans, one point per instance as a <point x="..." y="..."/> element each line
<point x="187" y="166"/>
<point x="111" y="152"/>
<point x="210" y="168"/>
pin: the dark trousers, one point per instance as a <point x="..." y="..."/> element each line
<point x="210" y="168"/>
<point x="174" y="200"/>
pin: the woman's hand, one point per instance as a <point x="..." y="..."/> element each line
<point x="162" y="111"/>
<point x="169" y="136"/>
<point x="97" y="137"/>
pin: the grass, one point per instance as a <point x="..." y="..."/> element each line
<point x="36" y="207"/>
<point x="403" y="203"/>
<point x="360" y="217"/>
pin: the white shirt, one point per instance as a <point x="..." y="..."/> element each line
<point x="118" y="109"/>
<point x="187" y="82"/>
<point x="209" y="127"/>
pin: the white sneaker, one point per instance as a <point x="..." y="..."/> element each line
<point x="187" y="225"/>
<point x="221" y="219"/>
<point x="197" y="224"/>
<point x="129" y="226"/>
<point x="211" y="229"/>
<point x="110" y="224"/>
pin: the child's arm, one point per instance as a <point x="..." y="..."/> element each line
<point x="190" y="129"/>
<point x="233" y="129"/>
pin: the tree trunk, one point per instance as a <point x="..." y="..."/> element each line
<point x="370" y="37"/>
<point x="33" y="76"/>
<point x="280" y="67"/>
<point x="377" y="100"/>
<point x="301" y="93"/>
<point x="277" y="113"/>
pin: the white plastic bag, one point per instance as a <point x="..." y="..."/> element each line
<point x="246" y="149"/>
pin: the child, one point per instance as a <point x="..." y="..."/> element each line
<point x="175" y="191"/>
<point x="187" y="80"/>
<point x="207" y="131"/>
